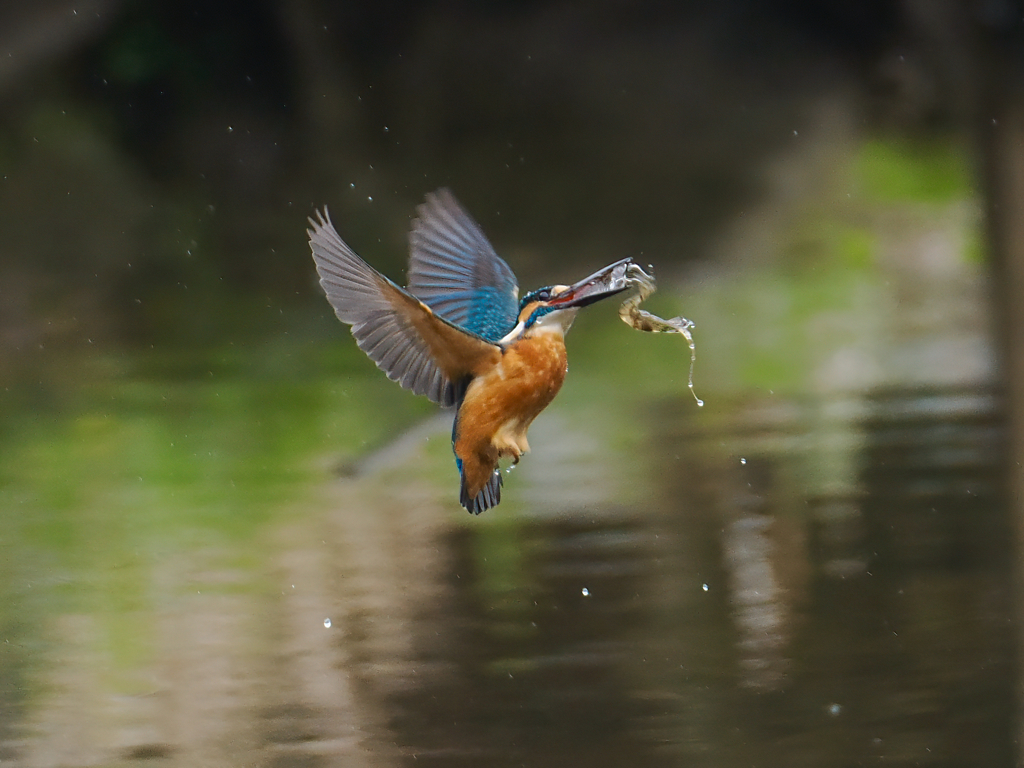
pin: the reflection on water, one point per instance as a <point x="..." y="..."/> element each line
<point x="877" y="610"/>
<point x="799" y="583"/>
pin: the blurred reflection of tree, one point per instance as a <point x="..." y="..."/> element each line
<point x="999" y="123"/>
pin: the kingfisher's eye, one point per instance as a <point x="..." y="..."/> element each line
<point x="541" y="294"/>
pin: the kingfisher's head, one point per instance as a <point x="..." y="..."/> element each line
<point x="555" y="306"/>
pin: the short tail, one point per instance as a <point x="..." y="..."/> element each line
<point x="487" y="498"/>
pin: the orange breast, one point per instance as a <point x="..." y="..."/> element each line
<point x="500" y="405"/>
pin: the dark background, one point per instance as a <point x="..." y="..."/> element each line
<point x="149" y="146"/>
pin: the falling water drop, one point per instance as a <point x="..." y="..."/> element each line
<point x="327" y="623"/>
<point x="586" y="592"/>
<point x="687" y="326"/>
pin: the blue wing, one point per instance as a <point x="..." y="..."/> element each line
<point x="406" y="339"/>
<point x="455" y="271"/>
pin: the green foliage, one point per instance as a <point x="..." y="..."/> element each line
<point x="141" y="51"/>
<point x="920" y="171"/>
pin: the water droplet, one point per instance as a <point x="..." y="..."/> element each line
<point x="586" y="592"/>
<point x="743" y="461"/>
<point x="327" y="623"/>
<point x="835" y="709"/>
<point x="230" y="129"/>
<point x="704" y="587"/>
<point x="684" y="329"/>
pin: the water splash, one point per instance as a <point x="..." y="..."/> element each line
<point x="685" y="327"/>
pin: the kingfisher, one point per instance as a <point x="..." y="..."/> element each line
<point x="459" y="333"/>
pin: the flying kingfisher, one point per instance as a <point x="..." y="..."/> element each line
<point x="459" y="334"/>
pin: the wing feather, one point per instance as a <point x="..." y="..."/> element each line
<point x="455" y="271"/>
<point x="405" y="338"/>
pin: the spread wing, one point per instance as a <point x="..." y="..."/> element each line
<point x="402" y="335"/>
<point x="455" y="271"/>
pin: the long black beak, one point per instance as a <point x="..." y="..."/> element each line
<point x="600" y="285"/>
